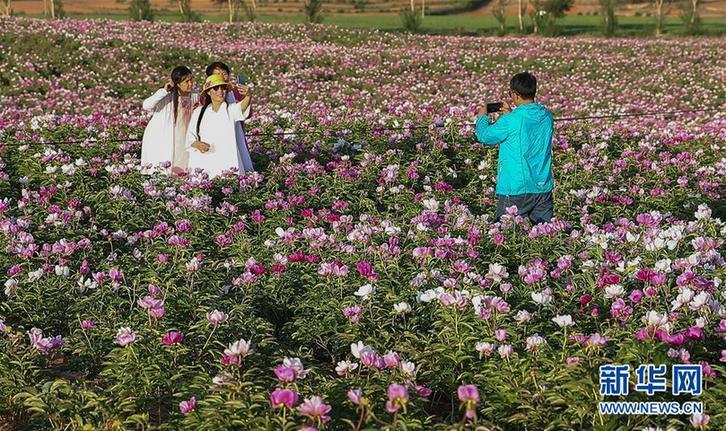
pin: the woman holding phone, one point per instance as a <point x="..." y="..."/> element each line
<point x="165" y="136"/>
<point x="233" y="96"/>
<point x="211" y="137"/>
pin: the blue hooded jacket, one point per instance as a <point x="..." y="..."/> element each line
<point x="525" y="149"/>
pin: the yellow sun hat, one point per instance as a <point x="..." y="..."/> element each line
<point x="215" y="80"/>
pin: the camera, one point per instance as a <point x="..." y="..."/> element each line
<point x="493" y="107"/>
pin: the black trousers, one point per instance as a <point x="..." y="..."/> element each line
<point x="537" y="206"/>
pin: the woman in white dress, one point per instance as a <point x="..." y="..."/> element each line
<point x="165" y="135"/>
<point x="234" y="96"/>
<point x="211" y="134"/>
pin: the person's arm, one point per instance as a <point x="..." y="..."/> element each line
<point x="150" y="104"/>
<point x="495" y="133"/>
<point x="241" y="109"/>
<point x="193" y="142"/>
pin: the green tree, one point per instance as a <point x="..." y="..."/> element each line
<point x="186" y="12"/>
<point x="140" y="10"/>
<point x="546" y="13"/>
<point x="56" y="9"/>
<point x="498" y="13"/>
<point x="411" y="20"/>
<point x="233" y="7"/>
<point x="658" y="6"/>
<point x="313" y="10"/>
<point x="7" y="9"/>
<point x="690" y="17"/>
<point x="609" y="20"/>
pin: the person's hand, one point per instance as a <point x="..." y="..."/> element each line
<point x="482" y="110"/>
<point x="506" y="107"/>
<point x="243" y="90"/>
<point x="169" y="86"/>
<point x="203" y="147"/>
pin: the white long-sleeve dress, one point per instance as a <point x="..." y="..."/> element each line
<point x="218" y="130"/>
<point x="164" y="140"/>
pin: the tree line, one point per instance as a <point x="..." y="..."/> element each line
<point x="544" y="14"/>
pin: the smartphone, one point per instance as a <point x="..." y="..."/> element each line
<point x="493" y="107"/>
<point x="241" y="79"/>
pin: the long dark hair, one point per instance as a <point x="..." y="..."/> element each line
<point x="178" y="75"/>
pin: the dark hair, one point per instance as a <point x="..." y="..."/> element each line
<point x="216" y="65"/>
<point x="524" y="84"/>
<point x="178" y="75"/>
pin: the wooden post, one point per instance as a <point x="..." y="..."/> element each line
<point x="52" y="9"/>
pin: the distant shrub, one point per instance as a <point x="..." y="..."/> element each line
<point x="411" y="20"/>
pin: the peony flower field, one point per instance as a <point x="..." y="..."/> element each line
<point x="356" y="280"/>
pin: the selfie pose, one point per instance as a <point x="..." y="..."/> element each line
<point x="524" y="136"/>
<point x="165" y="136"/>
<point x="211" y="135"/>
<point x="236" y="95"/>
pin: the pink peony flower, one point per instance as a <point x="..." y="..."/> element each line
<point x="187" y="407"/>
<point x="125" y="336"/>
<point x="315" y="408"/>
<point x="699" y="420"/>
<point x="172" y="337"/>
<point x="356" y="396"/>
<point x="283" y="397"/>
<point x="397" y="397"/>
<point x="217" y="317"/>
<point x="469" y="396"/>
<point x="285" y="374"/>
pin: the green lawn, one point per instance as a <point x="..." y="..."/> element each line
<point x="467" y="24"/>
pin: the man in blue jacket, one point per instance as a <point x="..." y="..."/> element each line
<point x="524" y="136"/>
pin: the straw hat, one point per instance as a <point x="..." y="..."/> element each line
<point x="213" y="81"/>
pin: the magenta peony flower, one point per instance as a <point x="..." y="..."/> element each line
<point x="285" y="374"/>
<point x="172" y="337"/>
<point x="391" y="359"/>
<point x="283" y="397"/>
<point x="187" y="407"/>
<point x="43" y="344"/>
<point x="423" y="391"/>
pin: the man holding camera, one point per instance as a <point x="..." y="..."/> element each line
<point x="524" y="136"/>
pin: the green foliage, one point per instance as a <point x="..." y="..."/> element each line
<point x="140" y="10"/>
<point x="546" y="13"/>
<point x="411" y="20"/>
<point x="609" y="20"/>
<point x="313" y="11"/>
<point x="187" y="14"/>
<point x="499" y="14"/>
<point x="690" y="17"/>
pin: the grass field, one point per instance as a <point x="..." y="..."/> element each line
<point x="629" y="26"/>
